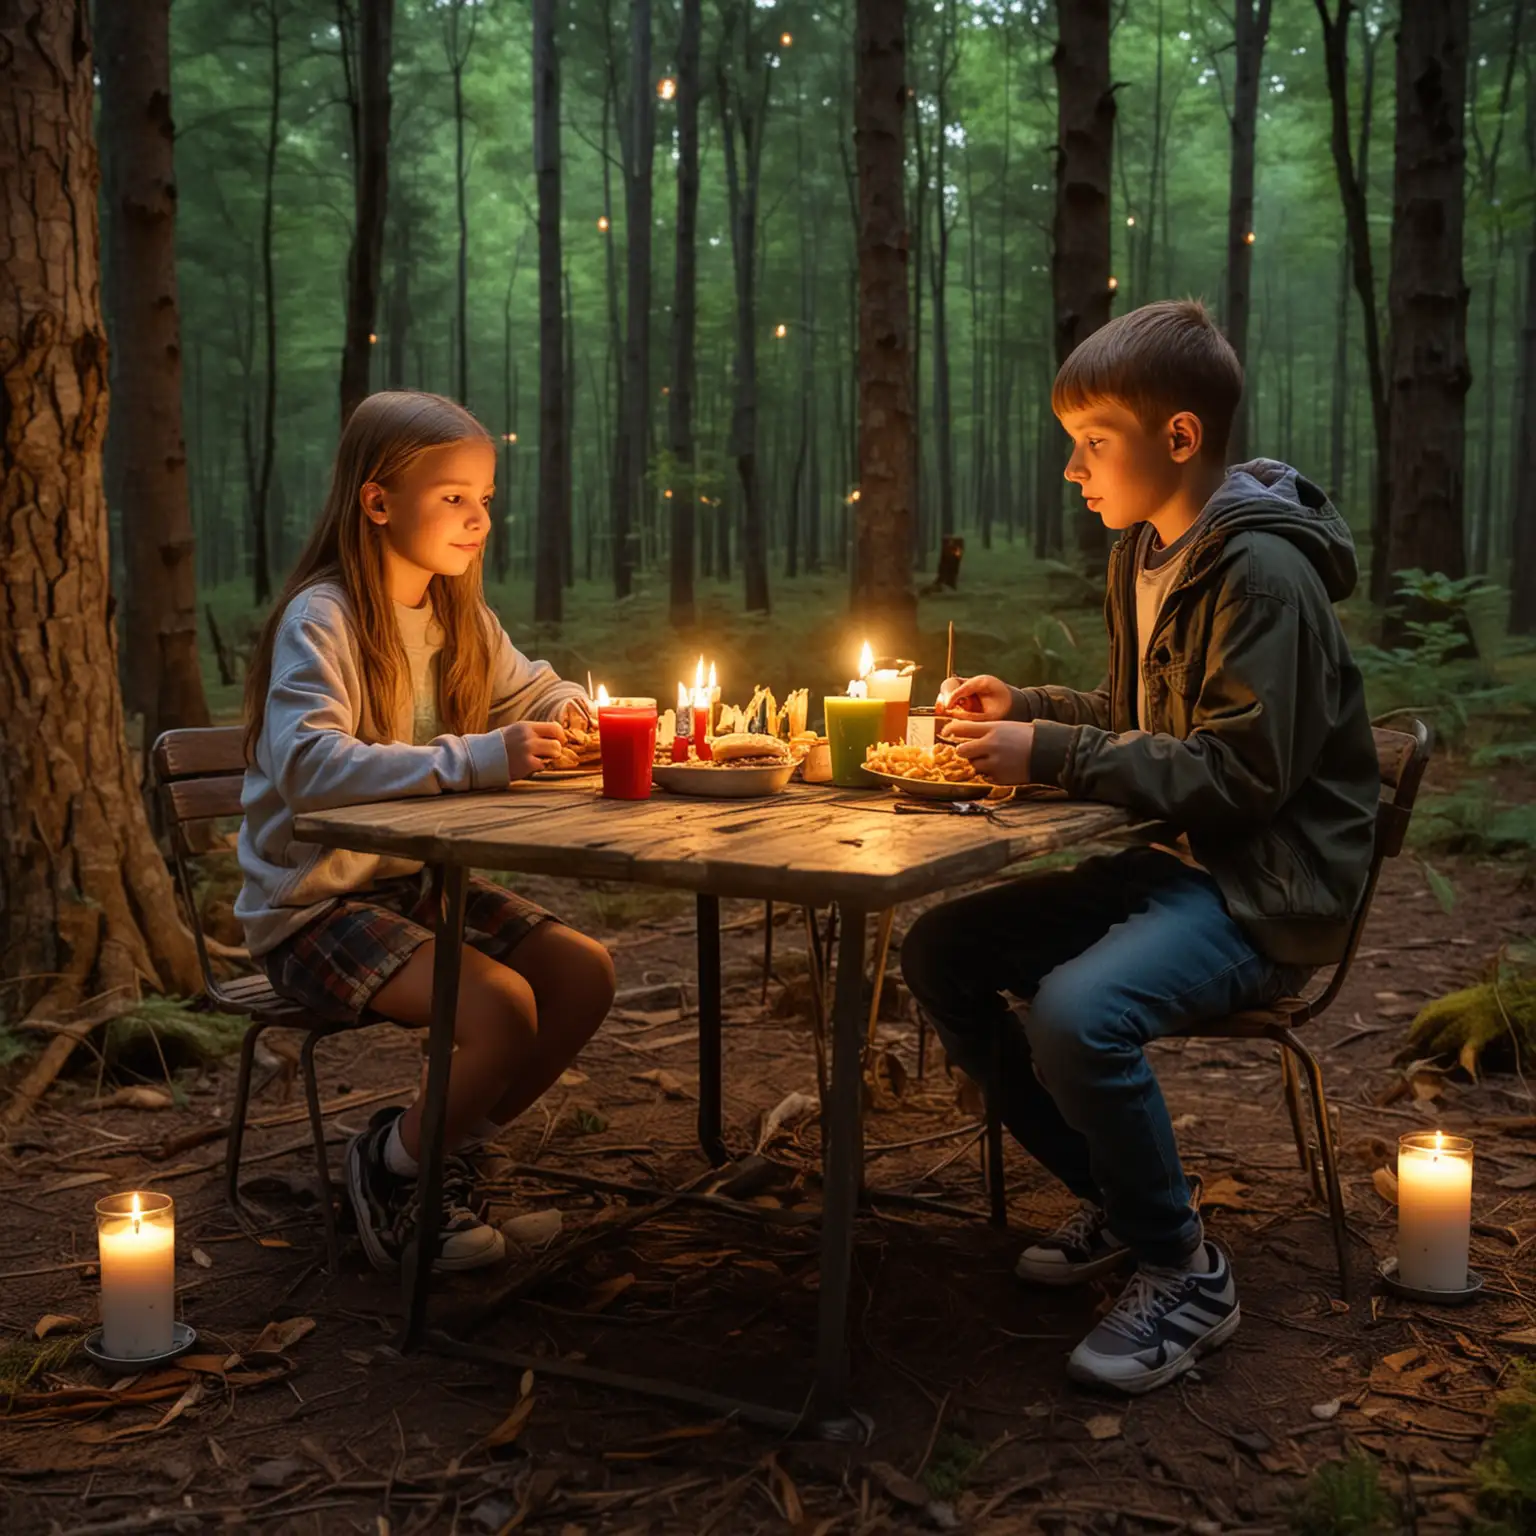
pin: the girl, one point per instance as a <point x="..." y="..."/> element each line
<point x="383" y="673"/>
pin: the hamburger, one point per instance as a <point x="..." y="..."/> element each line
<point x="750" y="749"/>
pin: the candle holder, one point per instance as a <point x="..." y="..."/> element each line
<point x="136" y="1241"/>
<point x="1434" y="1220"/>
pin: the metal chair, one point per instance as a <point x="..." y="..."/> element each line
<point x="197" y="776"/>
<point x="1403" y="756"/>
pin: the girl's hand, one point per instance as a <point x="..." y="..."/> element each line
<point x="976" y="698"/>
<point x="999" y="750"/>
<point x="531" y="745"/>
<point x="574" y="712"/>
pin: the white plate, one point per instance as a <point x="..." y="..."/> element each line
<point x="932" y="789"/>
<point x="722" y="783"/>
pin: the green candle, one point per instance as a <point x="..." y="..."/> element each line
<point x="853" y="727"/>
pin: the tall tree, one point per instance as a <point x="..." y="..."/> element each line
<point x="639" y="141"/>
<point x="882" y="552"/>
<point x="1080" y="277"/>
<point x="146" y="458"/>
<point x="938" y="267"/>
<point x="548" y="589"/>
<point x="1522" y="570"/>
<point x="367" y="32"/>
<point x="684" y="318"/>
<point x="1250" y="32"/>
<point x="1427" y="293"/>
<point x="261" y="460"/>
<point x="745" y="86"/>
<point x="458" y="44"/>
<point x="1351" y="179"/>
<point x="88" y="907"/>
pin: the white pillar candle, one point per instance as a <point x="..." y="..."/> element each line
<point x="136" y="1238"/>
<point x="1434" y="1210"/>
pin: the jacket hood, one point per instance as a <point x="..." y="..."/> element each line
<point x="1265" y="496"/>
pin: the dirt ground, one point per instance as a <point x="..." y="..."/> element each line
<point x="322" y="1427"/>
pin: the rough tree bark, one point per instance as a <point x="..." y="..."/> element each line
<point x="548" y="591"/>
<point x="86" y="906"/>
<point x="1351" y="179"/>
<point x="1080" y="228"/>
<point x="1427" y="295"/>
<point x="882" y="547"/>
<point x="1251" y="30"/>
<point x="684" y="312"/>
<point x="1522" y="578"/>
<point x="458" y="43"/>
<point x="368" y="103"/>
<point x="146" y="458"/>
<point x="261" y="487"/>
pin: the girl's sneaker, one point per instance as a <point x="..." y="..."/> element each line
<point x="1164" y="1321"/>
<point x="1082" y="1248"/>
<point x="386" y="1206"/>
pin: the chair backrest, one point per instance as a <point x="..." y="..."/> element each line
<point x="198" y="775"/>
<point x="1403" y="755"/>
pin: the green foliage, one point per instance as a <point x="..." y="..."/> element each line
<point x="1344" y="1498"/>
<point x="165" y="1032"/>
<point x="954" y="1455"/>
<point x="1493" y="1022"/>
<point x="1506" y="1469"/>
<point x="1475" y="821"/>
<point x="23" y="1359"/>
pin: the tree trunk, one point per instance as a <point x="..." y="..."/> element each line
<point x="458" y="42"/>
<point x="1251" y="18"/>
<point x="1522" y="572"/>
<point x="744" y="114"/>
<point x="1351" y="178"/>
<point x="548" y="592"/>
<point x="1427" y="294"/>
<point x="262" y="573"/>
<point x="370" y="186"/>
<point x="882" y="557"/>
<point x="943" y="405"/>
<point x="146" y="463"/>
<point x="88" y="908"/>
<point x="685" y="286"/>
<point x="1080" y="229"/>
<point x="640" y="147"/>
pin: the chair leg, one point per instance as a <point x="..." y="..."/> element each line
<point x="1328" y="1153"/>
<point x="237" y="1117"/>
<point x="922" y="1045"/>
<point x="1290" y="1081"/>
<point x="322" y="1163"/>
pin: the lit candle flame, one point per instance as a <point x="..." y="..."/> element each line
<point x="698" y="675"/>
<point x="137" y="1213"/>
<point x="713" y="682"/>
<point x="866" y="660"/>
<point x="602" y="696"/>
<point x="682" y="698"/>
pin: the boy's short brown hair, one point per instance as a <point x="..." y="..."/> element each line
<point x="1156" y="361"/>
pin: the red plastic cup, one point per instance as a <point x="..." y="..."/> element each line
<point x="627" y="731"/>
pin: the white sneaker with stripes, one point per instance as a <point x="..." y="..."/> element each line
<point x="1164" y="1321"/>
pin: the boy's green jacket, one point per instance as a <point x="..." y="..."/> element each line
<point x="1258" y="744"/>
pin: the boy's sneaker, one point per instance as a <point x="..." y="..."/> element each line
<point x="386" y="1206"/>
<point x="1164" y="1321"/>
<point x="1082" y="1248"/>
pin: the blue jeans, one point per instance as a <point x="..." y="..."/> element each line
<point x="1122" y="950"/>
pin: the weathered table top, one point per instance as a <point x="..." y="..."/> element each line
<point x="810" y="844"/>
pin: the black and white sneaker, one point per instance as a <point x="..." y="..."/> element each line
<point x="1082" y="1248"/>
<point x="1164" y="1321"/>
<point x="386" y="1206"/>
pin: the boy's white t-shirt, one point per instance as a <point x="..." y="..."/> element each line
<point x="423" y="638"/>
<point x="1157" y="573"/>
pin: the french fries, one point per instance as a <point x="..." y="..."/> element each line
<point x="938" y="764"/>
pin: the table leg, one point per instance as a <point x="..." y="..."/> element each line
<point x="708" y="924"/>
<point x="842" y="1165"/>
<point x="449" y="883"/>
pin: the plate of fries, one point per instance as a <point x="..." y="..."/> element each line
<point x="927" y="773"/>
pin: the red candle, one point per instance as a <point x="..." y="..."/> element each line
<point x="682" y="737"/>
<point x="701" y="733"/>
<point x="628" y="732"/>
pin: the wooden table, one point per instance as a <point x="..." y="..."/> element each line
<point x="809" y="846"/>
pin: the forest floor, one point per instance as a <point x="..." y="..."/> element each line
<point x="324" y="1428"/>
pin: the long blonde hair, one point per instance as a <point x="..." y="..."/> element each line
<point x="384" y="436"/>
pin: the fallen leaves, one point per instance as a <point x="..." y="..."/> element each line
<point x="670" y="1084"/>
<point x="789" y="1111"/>
<point x="510" y="1427"/>
<point x="54" y="1322"/>
<point x="534" y="1229"/>
<point x="1103" y="1426"/>
<point x="608" y="1292"/>
<point x="139" y="1096"/>
<point x="75" y="1181"/>
<point x="1385" y="1184"/>
<point x="278" y="1338"/>
<point x="1326" y="1411"/>
<point x="1225" y="1193"/>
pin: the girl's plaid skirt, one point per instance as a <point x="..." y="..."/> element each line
<point x="335" y="965"/>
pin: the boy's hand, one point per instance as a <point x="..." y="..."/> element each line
<point x="998" y="750"/>
<point x="573" y="712"/>
<point x="976" y="698"/>
<point x="531" y="745"/>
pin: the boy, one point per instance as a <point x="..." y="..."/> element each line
<point x="1233" y="713"/>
